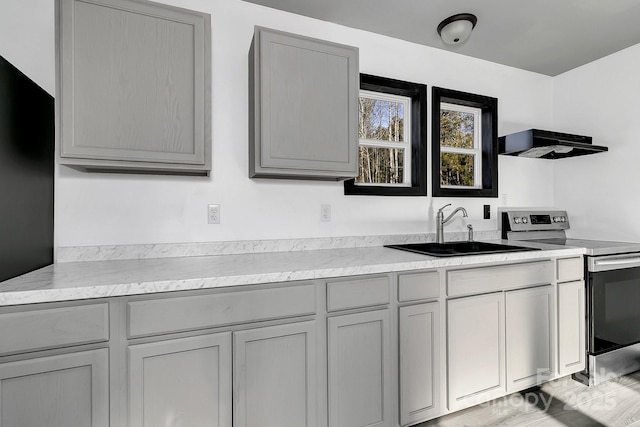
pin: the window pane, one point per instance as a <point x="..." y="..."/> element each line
<point x="456" y="129"/>
<point x="381" y="120"/>
<point x="381" y="165"/>
<point x="456" y="169"/>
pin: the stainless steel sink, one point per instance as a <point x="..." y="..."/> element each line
<point x="459" y="248"/>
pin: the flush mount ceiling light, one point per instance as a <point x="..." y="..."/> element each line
<point x="457" y="28"/>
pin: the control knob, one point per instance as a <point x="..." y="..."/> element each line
<point x="525" y="220"/>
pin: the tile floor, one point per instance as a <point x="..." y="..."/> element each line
<point x="562" y="402"/>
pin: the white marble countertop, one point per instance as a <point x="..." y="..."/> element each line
<point x="99" y="279"/>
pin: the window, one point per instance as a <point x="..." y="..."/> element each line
<point x="392" y="138"/>
<point x="384" y="146"/>
<point x="460" y="147"/>
<point x="465" y="144"/>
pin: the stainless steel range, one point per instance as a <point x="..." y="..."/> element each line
<point x="612" y="280"/>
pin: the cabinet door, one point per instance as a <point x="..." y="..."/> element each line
<point x="134" y="86"/>
<point x="184" y="381"/>
<point x="360" y="387"/>
<point x="571" y="327"/>
<point x="419" y="367"/>
<point x="57" y="391"/>
<point x="304" y="118"/>
<point x="528" y="337"/>
<point x="275" y="376"/>
<point x="475" y="340"/>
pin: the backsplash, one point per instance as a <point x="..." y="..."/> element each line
<point x="172" y="250"/>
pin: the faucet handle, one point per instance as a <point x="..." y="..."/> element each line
<point x="440" y="210"/>
<point x="470" y="237"/>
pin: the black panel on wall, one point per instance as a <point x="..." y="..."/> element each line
<point x="26" y="173"/>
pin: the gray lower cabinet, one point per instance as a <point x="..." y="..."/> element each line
<point x="133" y="86"/>
<point x="529" y="315"/>
<point x="419" y="362"/>
<point x="571" y="327"/>
<point x="56" y="391"/>
<point x="181" y="382"/>
<point x="476" y="348"/>
<point x="49" y="326"/>
<point x="264" y="356"/>
<point x="275" y="376"/>
<point x="303" y="107"/>
<point x="499" y="343"/>
<point x="360" y="386"/>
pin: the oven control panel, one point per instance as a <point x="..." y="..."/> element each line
<point x="535" y="220"/>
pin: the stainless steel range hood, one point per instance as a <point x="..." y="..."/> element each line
<point x="545" y="144"/>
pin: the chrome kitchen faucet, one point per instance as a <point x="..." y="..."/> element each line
<point x="441" y="221"/>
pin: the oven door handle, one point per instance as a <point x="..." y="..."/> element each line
<point x="613" y="264"/>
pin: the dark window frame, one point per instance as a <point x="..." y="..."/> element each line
<point x="489" y="143"/>
<point x="418" y="94"/>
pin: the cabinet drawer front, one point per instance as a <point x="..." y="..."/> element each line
<point x="53" y="327"/>
<point x="167" y="315"/>
<point x="490" y="279"/>
<point x="570" y="269"/>
<point x="357" y="293"/>
<point x="416" y="286"/>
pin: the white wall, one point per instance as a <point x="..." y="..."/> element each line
<point x="27" y="39"/>
<point x="101" y="209"/>
<point x="602" y="191"/>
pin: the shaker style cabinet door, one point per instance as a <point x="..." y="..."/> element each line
<point x="56" y="391"/>
<point x="275" y="376"/>
<point x="476" y="349"/>
<point x="529" y="315"/>
<point x="134" y="86"/>
<point x="571" y="327"/>
<point x="181" y="382"/>
<point x="360" y="389"/>
<point x="303" y="109"/>
<point x="419" y="362"/>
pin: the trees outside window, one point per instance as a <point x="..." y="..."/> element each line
<point x="392" y="138"/>
<point x="464" y="144"/>
<point x="460" y="146"/>
<point x="384" y="140"/>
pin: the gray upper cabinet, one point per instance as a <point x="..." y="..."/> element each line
<point x="134" y="86"/>
<point x="303" y="107"/>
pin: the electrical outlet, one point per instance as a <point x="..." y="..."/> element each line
<point x="213" y="214"/>
<point x="325" y="213"/>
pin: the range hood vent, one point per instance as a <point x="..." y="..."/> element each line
<point x="545" y="144"/>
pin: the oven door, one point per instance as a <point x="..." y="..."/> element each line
<point x="613" y="302"/>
